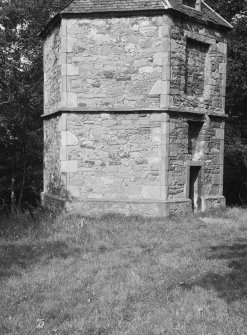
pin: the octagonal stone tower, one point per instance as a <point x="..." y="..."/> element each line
<point x="134" y="95"/>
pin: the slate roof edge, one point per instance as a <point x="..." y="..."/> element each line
<point x="50" y="25"/>
<point x="210" y="8"/>
<point x="167" y="8"/>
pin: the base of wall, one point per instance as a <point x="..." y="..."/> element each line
<point x="209" y="202"/>
<point x="94" y="207"/>
<point x="146" y="208"/>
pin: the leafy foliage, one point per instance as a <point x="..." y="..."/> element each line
<point x="21" y="97"/>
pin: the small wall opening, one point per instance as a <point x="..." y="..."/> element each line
<point x="195" y="188"/>
<point x="194" y="128"/>
<point x="195" y="67"/>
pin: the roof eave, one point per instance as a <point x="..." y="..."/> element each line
<point x="50" y="25"/>
<point x="167" y="8"/>
<point x="229" y="26"/>
<point x="226" y="27"/>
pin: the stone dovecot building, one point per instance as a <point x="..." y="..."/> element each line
<point x="134" y="95"/>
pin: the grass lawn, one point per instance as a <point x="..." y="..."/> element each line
<point x="124" y="275"/>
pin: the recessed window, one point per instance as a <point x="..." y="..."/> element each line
<point x="195" y="63"/>
<point x="194" y="128"/>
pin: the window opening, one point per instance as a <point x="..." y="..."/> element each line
<point x="194" y="128"/>
<point x="195" y="67"/>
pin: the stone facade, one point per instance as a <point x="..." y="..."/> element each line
<point x="134" y="111"/>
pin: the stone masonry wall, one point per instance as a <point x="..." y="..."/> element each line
<point x="52" y="71"/>
<point x="116" y="81"/>
<point x="118" y="155"/>
<point x="198" y="68"/>
<point x="195" y="68"/>
<point x="113" y="63"/>
<point x="52" y="166"/>
<point x="209" y="151"/>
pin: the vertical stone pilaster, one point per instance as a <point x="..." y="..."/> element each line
<point x="166" y="68"/>
<point x="63" y="149"/>
<point x="164" y="169"/>
<point x="63" y="63"/>
<point x="222" y="160"/>
<point x="68" y="99"/>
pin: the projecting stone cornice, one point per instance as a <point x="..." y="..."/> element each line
<point x="126" y="110"/>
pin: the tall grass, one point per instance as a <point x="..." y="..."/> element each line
<point x="124" y="275"/>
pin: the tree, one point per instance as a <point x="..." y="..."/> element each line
<point x="235" y="177"/>
<point x="21" y="97"/>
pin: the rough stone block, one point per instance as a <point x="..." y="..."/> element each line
<point x="74" y="191"/>
<point x="71" y="41"/>
<point x="220" y="134"/>
<point x="166" y="73"/>
<point x="160" y="87"/>
<point x="69" y="166"/>
<point x="63" y="122"/>
<point x="216" y="179"/>
<point x="146" y="69"/>
<point x="165" y="117"/>
<point x="173" y="150"/>
<point x="67" y="138"/>
<point x="71" y="99"/>
<point x="165" y="149"/>
<point x="151" y="192"/>
<point x="156" y="135"/>
<point x="164" y="192"/>
<point x="164" y="100"/>
<point x="164" y="31"/>
<point x="165" y="163"/>
<point x="158" y="58"/>
<point x="164" y="178"/>
<point x="222" y="47"/>
<point x="219" y="159"/>
<point x="63" y="153"/>
<point x="154" y="163"/>
<point x="69" y="70"/>
<point x="166" y="45"/>
<point x="222" y="147"/>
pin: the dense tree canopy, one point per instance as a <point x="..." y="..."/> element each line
<point x="21" y="97"/>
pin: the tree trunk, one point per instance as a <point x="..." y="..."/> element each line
<point x="12" y="190"/>
<point x="23" y="180"/>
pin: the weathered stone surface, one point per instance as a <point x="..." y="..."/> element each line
<point x="207" y="151"/>
<point x="197" y="65"/>
<point x="121" y="150"/>
<point x="52" y="71"/>
<point x="129" y="88"/>
<point x="52" y="168"/>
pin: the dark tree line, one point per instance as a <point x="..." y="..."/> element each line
<point x="21" y="99"/>
<point x="235" y="176"/>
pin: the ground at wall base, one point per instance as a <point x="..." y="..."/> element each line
<point x="145" y="208"/>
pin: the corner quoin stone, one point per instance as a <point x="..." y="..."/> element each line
<point x="69" y="166"/>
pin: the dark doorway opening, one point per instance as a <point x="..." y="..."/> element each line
<point x="195" y="188"/>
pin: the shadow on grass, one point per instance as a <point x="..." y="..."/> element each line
<point x="14" y="256"/>
<point x="232" y="285"/>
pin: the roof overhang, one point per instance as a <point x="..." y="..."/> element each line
<point x="168" y="9"/>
